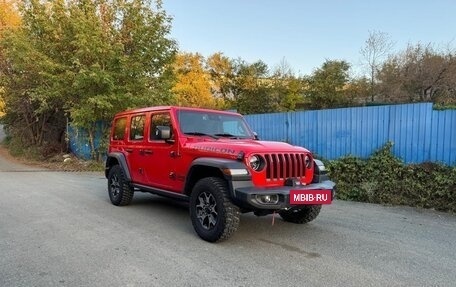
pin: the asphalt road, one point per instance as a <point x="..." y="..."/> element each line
<point x="59" y="229"/>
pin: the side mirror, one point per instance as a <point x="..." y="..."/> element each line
<point x="163" y="132"/>
<point x="255" y="136"/>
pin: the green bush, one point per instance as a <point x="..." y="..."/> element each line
<point x="384" y="178"/>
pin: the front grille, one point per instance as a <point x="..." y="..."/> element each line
<point x="285" y="165"/>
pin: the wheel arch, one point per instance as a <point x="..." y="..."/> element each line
<point x="115" y="158"/>
<point x="213" y="167"/>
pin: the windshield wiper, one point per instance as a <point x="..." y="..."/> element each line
<point x="227" y="135"/>
<point x="201" y="134"/>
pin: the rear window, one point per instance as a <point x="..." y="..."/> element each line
<point x="119" y="128"/>
<point x="137" y="128"/>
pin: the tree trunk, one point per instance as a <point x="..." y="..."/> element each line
<point x="92" y="144"/>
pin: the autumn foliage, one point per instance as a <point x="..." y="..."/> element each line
<point x="81" y="61"/>
<point x="193" y="83"/>
<point x="9" y="15"/>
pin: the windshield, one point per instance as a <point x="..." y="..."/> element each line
<point x="213" y="124"/>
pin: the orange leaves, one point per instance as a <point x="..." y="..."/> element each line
<point x="193" y="82"/>
<point x="9" y="15"/>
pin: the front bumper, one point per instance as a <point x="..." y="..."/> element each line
<point x="246" y="196"/>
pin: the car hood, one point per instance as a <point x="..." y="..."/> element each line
<point x="233" y="148"/>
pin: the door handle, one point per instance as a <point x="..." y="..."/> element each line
<point x="146" y="151"/>
<point x="129" y="150"/>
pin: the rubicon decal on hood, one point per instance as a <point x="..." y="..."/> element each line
<point x="215" y="149"/>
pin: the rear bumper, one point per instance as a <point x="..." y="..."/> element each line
<point x="246" y="196"/>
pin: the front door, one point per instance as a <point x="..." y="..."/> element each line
<point x="160" y="170"/>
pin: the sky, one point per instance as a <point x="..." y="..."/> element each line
<point x="306" y="33"/>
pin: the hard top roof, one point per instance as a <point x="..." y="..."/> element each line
<point x="172" y="108"/>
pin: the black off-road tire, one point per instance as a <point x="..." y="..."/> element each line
<point x="120" y="191"/>
<point x="214" y="217"/>
<point x="301" y="215"/>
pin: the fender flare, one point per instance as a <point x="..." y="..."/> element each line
<point x="120" y="158"/>
<point x="320" y="172"/>
<point x="221" y="164"/>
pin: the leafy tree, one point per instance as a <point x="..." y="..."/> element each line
<point x="9" y="21"/>
<point x="120" y="62"/>
<point x="419" y="74"/>
<point x="193" y="86"/>
<point x="28" y="74"/>
<point x="9" y="15"/>
<point x="250" y="88"/>
<point x="248" y="76"/>
<point x="326" y="86"/>
<point x="356" y="90"/>
<point x="86" y="60"/>
<point x="287" y="89"/>
<point x="222" y="75"/>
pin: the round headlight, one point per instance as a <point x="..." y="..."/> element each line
<point x="256" y="162"/>
<point x="308" y="161"/>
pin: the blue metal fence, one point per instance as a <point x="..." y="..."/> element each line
<point x="79" y="141"/>
<point x="418" y="132"/>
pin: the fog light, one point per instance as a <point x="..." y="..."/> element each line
<point x="267" y="198"/>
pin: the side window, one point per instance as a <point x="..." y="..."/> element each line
<point x="159" y="122"/>
<point x="137" y="127"/>
<point x="119" y="129"/>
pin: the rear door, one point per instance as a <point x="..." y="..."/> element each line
<point x="134" y="150"/>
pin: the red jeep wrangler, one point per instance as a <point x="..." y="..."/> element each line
<point x="215" y="162"/>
